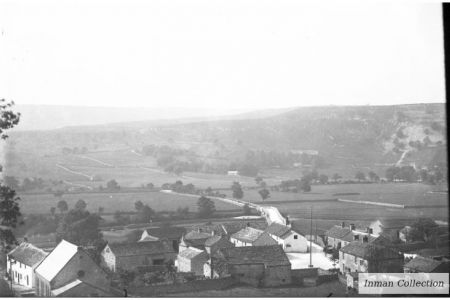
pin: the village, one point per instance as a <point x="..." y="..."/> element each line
<point x="253" y="252"/>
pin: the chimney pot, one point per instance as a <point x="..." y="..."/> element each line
<point x="352" y="227"/>
<point x="343" y="224"/>
<point x="369" y="230"/>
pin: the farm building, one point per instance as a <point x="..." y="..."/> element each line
<point x="130" y="256"/>
<point x="290" y="240"/>
<point x="217" y="242"/>
<point x="251" y="237"/>
<point x="62" y="270"/>
<point x="171" y="234"/>
<point x="21" y="262"/>
<point x="192" y="260"/>
<point x="194" y="238"/>
<point x="259" y="265"/>
<point x="365" y="257"/>
<point x="426" y="265"/>
<point x="389" y="227"/>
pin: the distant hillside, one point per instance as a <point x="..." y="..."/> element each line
<point x="350" y="138"/>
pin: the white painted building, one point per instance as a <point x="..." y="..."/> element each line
<point x="21" y="263"/>
<point x="290" y="240"/>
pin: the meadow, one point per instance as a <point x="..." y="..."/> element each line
<point x="111" y="202"/>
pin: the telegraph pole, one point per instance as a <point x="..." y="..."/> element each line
<point x="310" y="241"/>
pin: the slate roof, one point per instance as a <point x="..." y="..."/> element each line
<point x="232" y="227"/>
<point x="268" y="255"/>
<point x="278" y="230"/>
<point x="190" y="253"/>
<point x="423" y="264"/>
<point x="140" y="248"/>
<point x="61" y="291"/>
<point x="167" y="232"/>
<point x="248" y="234"/>
<point x="264" y="240"/>
<point x="338" y="232"/>
<point x="56" y="260"/>
<point x="395" y="223"/>
<point x="219" y="241"/>
<point x="369" y="250"/>
<point x="197" y="235"/>
<point x="28" y="254"/>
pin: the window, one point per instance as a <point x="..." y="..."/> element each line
<point x="295" y="236"/>
<point x="361" y="262"/>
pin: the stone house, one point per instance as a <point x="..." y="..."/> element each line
<point x="249" y="236"/>
<point x="340" y="235"/>
<point x="426" y="265"/>
<point x="64" y="267"/>
<point x="171" y="234"/>
<point x="216" y="242"/>
<point x="192" y="260"/>
<point x="261" y="266"/>
<point x="391" y="228"/>
<point x="365" y="257"/>
<point x="21" y="263"/>
<point x="290" y="240"/>
<point x="130" y="256"/>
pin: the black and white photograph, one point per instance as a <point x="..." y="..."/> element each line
<point x="223" y="149"/>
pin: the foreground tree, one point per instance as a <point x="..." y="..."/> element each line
<point x="9" y="202"/>
<point x="206" y="207"/>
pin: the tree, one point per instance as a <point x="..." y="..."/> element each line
<point x="238" y="193"/>
<point x="80" y="227"/>
<point x="336" y="177"/>
<point x="80" y="205"/>
<point x="323" y="179"/>
<point x="112" y="185"/>
<point x="145" y="214"/>
<point x="206" y="207"/>
<point x="9" y="217"/>
<point x="62" y="206"/>
<point x="9" y="202"/>
<point x="373" y="176"/>
<point x="258" y="180"/>
<point x="264" y="193"/>
<point x="305" y="185"/>
<point x="58" y="193"/>
<point x="138" y="205"/>
<point x="360" y="176"/>
<point x="246" y="209"/>
<point x="52" y="210"/>
<point x="11" y="181"/>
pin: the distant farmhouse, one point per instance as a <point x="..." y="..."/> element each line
<point x="69" y="271"/>
<point x="21" y="263"/>
<point x="130" y="256"/>
<point x="341" y="235"/>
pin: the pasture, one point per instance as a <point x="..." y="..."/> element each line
<point x="111" y="202"/>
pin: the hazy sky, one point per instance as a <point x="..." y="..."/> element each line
<point x="230" y="54"/>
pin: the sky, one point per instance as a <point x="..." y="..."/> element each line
<point x="221" y="54"/>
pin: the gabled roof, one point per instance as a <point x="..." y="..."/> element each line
<point x="423" y="264"/>
<point x="56" y="260"/>
<point x="140" y="248"/>
<point x="248" y="234"/>
<point x="166" y="232"/>
<point x="267" y="255"/>
<point x="231" y="227"/>
<point x="278" y="230"/>
<point x="338" y="232"/>
<point x="219" y="241"/>
<point x="61" y="291"/>
<point x="190" y="253"/>
<point x="370" y="251"/>
<point x="28" y="254"/>
<point x="197" y="235"/>
<point x="264" y="240"/>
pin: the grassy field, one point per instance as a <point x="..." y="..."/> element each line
<point x="114" y="201"/>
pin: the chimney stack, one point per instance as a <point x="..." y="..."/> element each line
<point x="352" y="227"/>
<point x="343" y="224"/>
<point x="369" y="230"/>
